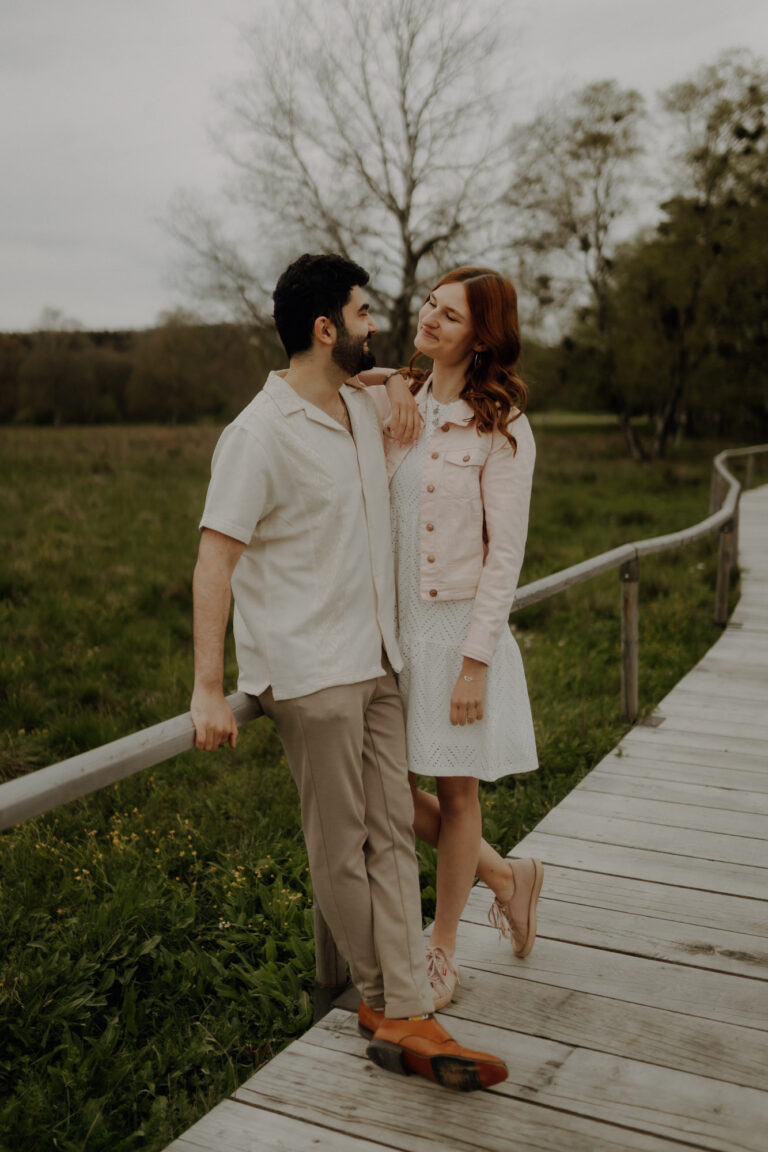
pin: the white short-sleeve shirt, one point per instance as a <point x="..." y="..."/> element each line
<point x="314" y="588"/>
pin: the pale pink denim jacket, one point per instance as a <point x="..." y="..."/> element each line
<point x="475" y="497"/>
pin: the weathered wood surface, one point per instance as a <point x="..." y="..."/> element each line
<point x="640" y="1020"/>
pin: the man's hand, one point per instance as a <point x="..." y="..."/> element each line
<point x="405" y="422"/>
<point x="213" y="719"/>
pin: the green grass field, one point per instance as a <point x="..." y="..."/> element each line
<point x="156" y="938"/>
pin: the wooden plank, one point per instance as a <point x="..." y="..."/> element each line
<point x="702" y="718"/>
<point x="657" y="1036"/>
<point x="703" y="734"/>
<point x="660" y="867"/>
<point x="742" y="751"/>
<point x="645" y="936"/>
<point x="671" y="792"/>
<point x="233" y="1126"/>
<point x="631" y="979"/>
<point x="685" y="906"/>
<point x="681" y="701"/>
<point x="630" y="1093"/>
<point x="685" y="700"/>
<point x="678" y="756"/>
<point x="710" y="846"/>
<point x="735" y="686"/>
<point x="651" y="766"/>
<point x="342" y="1091"/>
<point x="662" y="812"/>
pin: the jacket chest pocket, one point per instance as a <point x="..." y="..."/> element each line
<point x="461" y="473"/>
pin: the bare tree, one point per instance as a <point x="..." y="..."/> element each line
<point x="377" y="136"/>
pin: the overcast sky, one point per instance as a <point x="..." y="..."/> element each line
<point x="106" y="108"/>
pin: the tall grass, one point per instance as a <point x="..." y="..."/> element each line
<point x="156" y="938"/>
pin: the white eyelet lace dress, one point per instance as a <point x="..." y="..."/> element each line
<point x="430" y="637"/>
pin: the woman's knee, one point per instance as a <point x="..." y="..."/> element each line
<point x="457" y="795"/>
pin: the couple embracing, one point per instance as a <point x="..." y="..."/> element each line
<point x="371" y="525"/>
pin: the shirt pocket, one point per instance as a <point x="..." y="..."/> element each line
<point x="461" y="473"/>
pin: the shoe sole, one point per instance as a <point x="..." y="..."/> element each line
<point x="454" y="1072"/>
<point x="538" y="880"/>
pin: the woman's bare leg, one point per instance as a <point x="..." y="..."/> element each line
<point x="492" y="868"/>
<point x="458" y="848"/>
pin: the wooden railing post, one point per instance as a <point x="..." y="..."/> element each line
<point x="750" y="473"/>
<point x="330" y="967"/>
<point x="718" y="490"/>
<point x="629" y="574"/>
<point x="724" y="562"/>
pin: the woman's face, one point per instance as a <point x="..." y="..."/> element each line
<point x="445" y="330"/>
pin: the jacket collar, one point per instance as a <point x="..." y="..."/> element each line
<point x="458" y="413"/>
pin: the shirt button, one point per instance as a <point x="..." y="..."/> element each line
<point x="465" y="458"/>
<point x="435" y="455"/>
<point x="433" y="591"/>
<point x="444" y="427"/>
<point x="430" y="559"/>
<point x="430" y="527"/>
<point x="430" y="487"/>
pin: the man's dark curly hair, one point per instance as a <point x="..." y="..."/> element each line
<point x="312" y="286"/>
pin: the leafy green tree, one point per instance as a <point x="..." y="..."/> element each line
<point x="691" y="303"/>
<point x="576" y="165"/>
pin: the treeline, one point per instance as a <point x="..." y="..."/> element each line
<point x="179" y="372"/>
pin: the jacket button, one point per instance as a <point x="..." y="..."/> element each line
<point x="444" y="427"/>
<point x="433" y="591"/>
<point x="430" y="559"/>
<point x="430" y="527"/>
<point x="430" y="487"/>
<point x="435" y="455"/>
<point x="465" y="458"/>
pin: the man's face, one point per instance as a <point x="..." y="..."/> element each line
<point x="351" y="351"/>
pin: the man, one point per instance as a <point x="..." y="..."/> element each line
<point x="296" y="523"/>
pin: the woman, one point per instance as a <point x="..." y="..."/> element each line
<point x="460" y="496"/>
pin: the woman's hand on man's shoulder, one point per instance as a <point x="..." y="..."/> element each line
<point x="405" y="421"/>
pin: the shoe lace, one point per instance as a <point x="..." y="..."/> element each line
<point x="438" y="961"/>
<point x="498" y="919"/>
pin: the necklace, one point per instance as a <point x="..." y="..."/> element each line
<point x="436" y="412"/>
<point x="343" y="419"/>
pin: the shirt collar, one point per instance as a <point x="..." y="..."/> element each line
<point x="289" y="401"/>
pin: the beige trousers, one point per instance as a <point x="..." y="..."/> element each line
<point x="346" y="751"/>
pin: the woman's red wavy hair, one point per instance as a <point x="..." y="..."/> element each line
<point x="492" y="387"/>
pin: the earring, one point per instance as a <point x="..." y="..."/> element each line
<point x="476" y="361"/>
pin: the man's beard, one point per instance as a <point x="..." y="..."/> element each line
<point x="350" y="354"/>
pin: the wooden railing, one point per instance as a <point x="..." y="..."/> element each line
<point x="46" y="788"/>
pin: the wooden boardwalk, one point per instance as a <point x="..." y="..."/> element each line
<point x="640" y="1020"/>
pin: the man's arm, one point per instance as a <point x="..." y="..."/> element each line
<point x="211" y="715"/>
